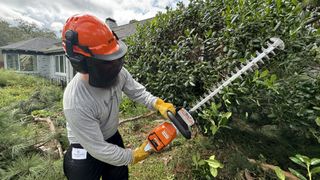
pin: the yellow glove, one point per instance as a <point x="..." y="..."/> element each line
<point x="139" y="154"/>
<point x="163" y="107"/>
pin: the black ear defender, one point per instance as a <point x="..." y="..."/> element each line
<point x="78" y="61"/>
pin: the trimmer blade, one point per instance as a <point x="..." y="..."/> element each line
<point x="249" y="65"/>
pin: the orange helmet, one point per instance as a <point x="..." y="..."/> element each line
<point x="92" y="38"/>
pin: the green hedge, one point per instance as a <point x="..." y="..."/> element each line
<point x="180" y="54"/>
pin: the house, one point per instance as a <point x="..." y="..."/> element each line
<point x="45" y="57"/>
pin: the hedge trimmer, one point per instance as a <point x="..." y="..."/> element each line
<point x="182" y="121"/>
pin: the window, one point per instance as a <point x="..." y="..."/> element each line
<point x="21" y="62"/>
<point x="60" y="64"/>
<point x="12" y="61"/>
<point x="28" y="62"/>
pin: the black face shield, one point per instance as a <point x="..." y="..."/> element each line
<point x="102" y="73"/>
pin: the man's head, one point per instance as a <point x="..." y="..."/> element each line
<point x="93" y="48"/>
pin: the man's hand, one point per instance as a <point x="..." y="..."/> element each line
<point x="139" y="154"/>
<point x="163" y="107"/>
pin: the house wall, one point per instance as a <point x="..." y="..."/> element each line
<point x="1" y="60"/>
<point x="4" y="60"/>
<point x="44" y="65"/>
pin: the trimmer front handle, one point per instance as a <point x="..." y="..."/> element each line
<point x="182" y="120"/>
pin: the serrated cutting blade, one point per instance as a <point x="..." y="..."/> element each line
<point x="245" y="67"/>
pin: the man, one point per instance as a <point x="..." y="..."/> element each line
<point x="92" y="98"/>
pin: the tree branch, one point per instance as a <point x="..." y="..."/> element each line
<point x="267" y="167"/>
<point x="312" y="20"/>
<point x="53" y="130"/>
<point x="137" y="117"/>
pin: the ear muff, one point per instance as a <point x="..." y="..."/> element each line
<point x="78" y="61"/>
<point x="71" y="40"/>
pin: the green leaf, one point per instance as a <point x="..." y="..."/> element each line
<point x="201" y="162"/>
<point x="315" y="161"/>
<point x="295" y="2"/>
<point x="297" y="161"/>
<point x="304" y="159"/>
<point x="264" y="73"/>
<point x="227" y="115"/>
<point x="318" y="121"/>
<point x="214" y="172"/>
<point x="213" y="163"/>
<point x="223" y="122"/>
<point x="214" y="129"/>
<point x="192" y="84"/>
<point x="296" y="173"/>
<point x="279" y="173"/>
<point x="315" y="170"/>
<point x="194" y="159"/>
<point x="273" y="78"/>
<point x="213" y="157"/>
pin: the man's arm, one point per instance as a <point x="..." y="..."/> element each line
<point x="136" y="91"/>
<point x="87" y="131"/>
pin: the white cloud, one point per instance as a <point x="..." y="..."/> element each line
<point x="53" y="14"/>
<point x="56" y="26"/>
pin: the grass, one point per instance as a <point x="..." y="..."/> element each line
<point x="232" y="147"/>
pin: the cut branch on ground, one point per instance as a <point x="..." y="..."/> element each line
<point x="267" y="167"/>
<point x="137" y="117"/>
<point x="53" y="130"/>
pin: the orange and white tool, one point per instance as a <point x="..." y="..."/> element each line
<point x="163" y="134"/>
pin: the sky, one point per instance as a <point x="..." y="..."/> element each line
<point x="52" y="14"/>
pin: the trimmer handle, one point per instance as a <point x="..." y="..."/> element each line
<point x="180" y="124"/>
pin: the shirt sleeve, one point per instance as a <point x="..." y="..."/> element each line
<point x="137" y="92"/>
<point x="87" y="131"/>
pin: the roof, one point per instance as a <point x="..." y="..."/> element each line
<point x="126" y="30"/>
<point x="39" y="44"/>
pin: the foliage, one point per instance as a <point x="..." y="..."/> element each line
<point x="129" y="108"/>
<point x="182" y="53"/>
<point x="21" y="31"/>
<point x="306" y="163"/>
<point x="217" y="118"/>
<point x="214" y="165"/>
<point x="34" y="167"/>
<point x="20" y="136"/>
<point x="201" y="165"/>
<point x="279" y="173"/>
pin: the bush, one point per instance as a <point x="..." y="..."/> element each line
<point x="180" y="54"/>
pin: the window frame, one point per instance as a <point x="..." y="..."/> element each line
<point x="6" y="63"/>
<point x="60" y="57"/>
<point x="35" y="69"/>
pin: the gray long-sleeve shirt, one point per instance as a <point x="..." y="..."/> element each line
<point x="92" y="115"/>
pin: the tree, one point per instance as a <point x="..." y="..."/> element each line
<point x="22" y="31"/>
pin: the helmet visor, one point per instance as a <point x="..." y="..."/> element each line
<point x="103" y="73"/>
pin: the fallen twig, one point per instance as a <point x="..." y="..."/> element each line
<point x="137" y="117"/>
<point x="53" y="130"/>
<point x="267" y="167"/>
<point x="314" y="19"/>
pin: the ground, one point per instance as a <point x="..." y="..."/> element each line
<point x="183" y="159"/>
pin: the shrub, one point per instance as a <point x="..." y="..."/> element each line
<point x="180" y="54"/>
